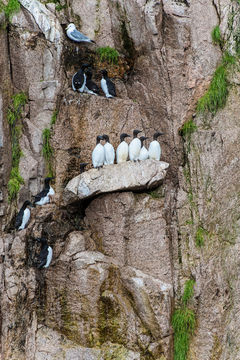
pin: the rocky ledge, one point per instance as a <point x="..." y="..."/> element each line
<point x="118" y="177"/>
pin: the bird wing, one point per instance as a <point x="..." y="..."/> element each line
<point x="76" y="35"/>
<point x="18" y="221"/>
<point x="92" y="86"/>
<point x="111" y="87"/>
<point x="42" y="258"/>
<point x="77" y="80"/>
<point x="40" y="195"/>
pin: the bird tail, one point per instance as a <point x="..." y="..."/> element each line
<point x="92" y="41"/>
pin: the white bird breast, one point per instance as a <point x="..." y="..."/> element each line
<point x="49" y="257"/>
<point x="25" y="219"/>
<point x="143" y="154"/>
<point x="98" y="155"/>
<point x="154" y="150"/>
<point x="122" y="152"/>
<point x="134" y="149"/>
<point x="109" y="154"/>
<point x="51" y="191"/>
<point x="105" y="88"/>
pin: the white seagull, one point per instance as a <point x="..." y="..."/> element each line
<point x="76" y="35"/>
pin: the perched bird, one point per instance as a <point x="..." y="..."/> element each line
<point x="109" y="153"/>
<point x="90" y="86"/>
<point x="79" y="79"/>
<point x="23" y="216"/>
<point x="107" y="85"/>
<point x="122" y="149"/>
<point x="76" y="35"/>
<point x="43" y="197"/>
<point x="154" y="149"/>
<point x="82" y="167"/>
<point x="135" y="146"/>
<point x="143" y="152"/>
<point x="98" y="153"/>
<point x="45" y="256"/>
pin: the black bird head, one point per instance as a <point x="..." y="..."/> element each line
<point x="99" y="137"/>
<point x="136" y="132"/>
<point x="48" y="179"/>
<point x="85" y="66"/>
<point x="42" y="240"/>
<point x="82" y="167"/>
<point x="143" y="138"/>
<point x="88" y="74"/>
<point x="106" y="137"/>
<point x="156" y="135"/>
<point x="104" y="73"/>
<point x="123" y="136"/>
<point x="27" y="203"/>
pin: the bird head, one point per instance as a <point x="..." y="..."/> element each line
<point x="136" y="132"/>
<point x="85" y="66"/>
<point x="106" y="137"/>
<point x="82" y="166"/>
<point x="27" y="203"/>
<point x="48" y="179"/>
<point x="99" y="138"/>
<point x="88" y="74"/>
<point x="123" y="136"/>
<point x="104" y="73"/>
<point x="71" y="26"/>
<point x="142" y="138"/>
<point x="156" y="135"/>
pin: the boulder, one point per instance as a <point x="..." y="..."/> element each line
<point x="117" y="177"/>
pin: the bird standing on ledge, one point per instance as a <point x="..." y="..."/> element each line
<point x="23" y="216"/>
<point x="76" y="35"/>
<point x="154" y="149"/>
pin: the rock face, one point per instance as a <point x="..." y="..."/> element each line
<point x="121" y="258"/>
<point x="117" y="177"/>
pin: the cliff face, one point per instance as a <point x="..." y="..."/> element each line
<point x="121" y="259"/>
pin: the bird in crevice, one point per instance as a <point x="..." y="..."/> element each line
<point x="90" y="86"/>
<point x="23" y="216"/>
<point x="79" y="79"/>
<point x="107" y="85"/>
<point x="46" y="194"/>
<point x="45" y="257"/>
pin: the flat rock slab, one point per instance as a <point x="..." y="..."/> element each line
<point x="118" y="177"/>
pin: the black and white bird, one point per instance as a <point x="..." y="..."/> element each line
<point x="109" y="153"/>
<point x="82" y="167"/>
<point x="122" y="149"/>
<point x="45" y="256"/>
<point x="76" y="35"/>
<point x="23" y="216"/>
<point x="98" y="154"/>
<point x="135" y="146"/>
<point x="79" y="79"/>
<point x="44" y="196"/>
<point x="143" y="152"/>
<point x="90" y="86"/>
<point x="154" y="149"/>
<point x="107" y="85"/>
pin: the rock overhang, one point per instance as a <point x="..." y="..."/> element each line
<point x="127" y="176"/>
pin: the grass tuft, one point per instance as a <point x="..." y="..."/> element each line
<point x="54" y="118"/>
<point x="199" y="237"/>
<point x="14" y="115"/>
<point x="11" y="8"/>
<point x="188" y="291"/>
<point x="216" y="36"/>
<point x="108" y="54"/>
<point x="183" y="322"/>
<point x="47" y="150"/>
<point x="188" y="128"/>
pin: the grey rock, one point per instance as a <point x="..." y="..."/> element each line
<point x="126" y="176"/>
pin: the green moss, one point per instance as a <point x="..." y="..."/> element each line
<point x="54" y="118"/>
<point x="216" y="96"/>
<point x="216" y="36"/>
<point x="199" y="237"/>
<point x="188" y="128"/>
<point x="47" y="150"/>
<point x="183" y="322"/>
<point x="14" y="115"/>
<point x="11" y="8"/>
<point x="108" y="54"/>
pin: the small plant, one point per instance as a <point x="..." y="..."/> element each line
<point x="216" y="36"/>
<point x="14" y="116"/>
<point x="54" y="117"/>
<point x="47" y="150"/>
<point x="183" y="322"/>
<point x="188" y="128"/>
<point x="188" y="291"/>
<point x="108" y="54"/>
<point x="11" y="8"/>
<point x="199" y="238"/>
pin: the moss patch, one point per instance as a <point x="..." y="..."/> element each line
<point x="12" y="7"/>
<point x="14" y="115"/>
<point x="108" y="54"/>
<point x="216" y="36"/>
<point x="47" y="149"/>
